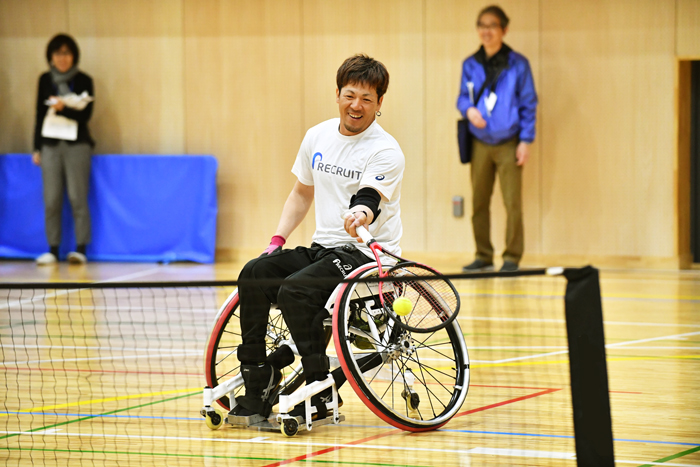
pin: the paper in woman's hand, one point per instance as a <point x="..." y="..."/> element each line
<point x="59" y="127"/>
<point x="72" y="100"/>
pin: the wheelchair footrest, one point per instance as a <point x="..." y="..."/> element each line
<point x="250" y="420"/>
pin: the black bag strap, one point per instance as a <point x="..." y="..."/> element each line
<point x="492" y="85"/>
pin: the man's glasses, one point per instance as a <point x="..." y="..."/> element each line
<point x="491" y="26"/>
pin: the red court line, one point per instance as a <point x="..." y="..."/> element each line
<point x="48" y="370"/>
<point x="397" y="431"/>
<point x="510" y="401"/>
<point x="506" y="387"/>
<point x="331" y="449"/>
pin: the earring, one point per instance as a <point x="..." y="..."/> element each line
<point x="379" y="113"/>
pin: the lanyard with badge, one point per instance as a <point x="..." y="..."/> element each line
<point x="491" y="99"/>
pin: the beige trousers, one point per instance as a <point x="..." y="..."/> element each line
<point x="487" y="161"/>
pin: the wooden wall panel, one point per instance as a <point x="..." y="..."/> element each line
<point x="245" y="105"/>
<point x="688" y="29"/>
<point x="608" y="75"/>
<point x="682" y="167"/>
<point x="25" y="29"/>
<point x="390" y="31"/>
<point x="450" y="38"/>
<point x="134" y="52"/>
<point x="244" y="80"/>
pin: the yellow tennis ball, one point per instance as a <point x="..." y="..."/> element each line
<point x="402" y="306"/>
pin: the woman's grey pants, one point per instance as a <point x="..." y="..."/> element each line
<point x="69" y="165"/>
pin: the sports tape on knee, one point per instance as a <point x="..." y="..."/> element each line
<point x="252" y="354"/>
<point x="316" y="363"/>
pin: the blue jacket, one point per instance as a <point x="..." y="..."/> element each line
<point x="516" y="104"/>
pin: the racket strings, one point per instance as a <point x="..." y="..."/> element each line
<point x="433" y="298"/>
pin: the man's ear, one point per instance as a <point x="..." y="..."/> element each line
<point x="379" y="103"/>
<point x="337" y="96"/>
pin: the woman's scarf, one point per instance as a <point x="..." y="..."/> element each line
<point x="61" y="79"/>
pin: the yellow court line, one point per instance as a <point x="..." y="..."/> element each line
<point x="686" y="357"/>
<point x="108" y="399"/>
<point x="555" y="362"/>
<point x="605" y="295"/>
<point x="653" y="296"/>
<point x="479" y="365"/>
<point x="488" y="365"/>
<point x="506" y="292"/>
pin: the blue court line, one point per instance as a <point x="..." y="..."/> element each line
<point x="531" y="434"/>
<point x="199" y="419"/>
<point x="568" y="436"/>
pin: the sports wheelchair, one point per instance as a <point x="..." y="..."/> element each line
<point x="413" y="381"/>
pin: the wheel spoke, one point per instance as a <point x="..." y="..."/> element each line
<point x="432" y="347"/>
<point x="430" y="368"/>
<point x="414" y="353"/>
<point x="424" y="370"/>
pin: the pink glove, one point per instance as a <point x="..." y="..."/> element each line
<point x="276" y="244"/>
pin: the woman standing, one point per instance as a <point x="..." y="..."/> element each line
<point x="64" y="154"/>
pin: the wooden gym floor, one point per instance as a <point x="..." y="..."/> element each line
<point x="91" y="384"/>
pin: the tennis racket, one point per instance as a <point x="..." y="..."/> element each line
<point x="421" y="299"/>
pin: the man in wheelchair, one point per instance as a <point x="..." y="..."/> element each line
<point x="346" y="165"/>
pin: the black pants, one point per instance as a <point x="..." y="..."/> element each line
<point x="302" y="306"/>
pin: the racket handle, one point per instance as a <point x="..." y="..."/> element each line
<point x="364" y="234"/>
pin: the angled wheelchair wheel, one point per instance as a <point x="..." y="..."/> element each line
<point x="221" y="362"/>
<point x="413" y="381"/>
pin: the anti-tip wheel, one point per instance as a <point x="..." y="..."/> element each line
<point x="290" y="427"/>
<point x="412" y="399"/>
<point x="213" y="419"/>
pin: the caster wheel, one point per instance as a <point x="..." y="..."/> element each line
<point x="290" y="427"/>
<point x="213" y="419"/>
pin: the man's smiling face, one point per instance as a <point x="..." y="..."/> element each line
<point x="358" y="104"/>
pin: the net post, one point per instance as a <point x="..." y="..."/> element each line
<point x="589" y="374"/>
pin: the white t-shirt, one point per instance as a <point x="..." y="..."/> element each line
<point x="337" y="166"/>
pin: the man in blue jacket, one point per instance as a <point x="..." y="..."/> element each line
<point x="498" y="98"/>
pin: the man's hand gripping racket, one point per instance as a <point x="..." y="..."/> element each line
<point x="420" y="299"/>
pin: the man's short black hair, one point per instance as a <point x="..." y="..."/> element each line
<point x="59" y="41"/>
<point x="362" y="69"/>
<point x="498" y="12"/>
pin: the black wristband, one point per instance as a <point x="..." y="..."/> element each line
<point x="367" y="197"/>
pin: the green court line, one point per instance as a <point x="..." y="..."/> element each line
<point x="98" y="415"/>
<point x="675" y="456"/>
<point x="211" y="456"/>
<point x="15" y="324"/>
